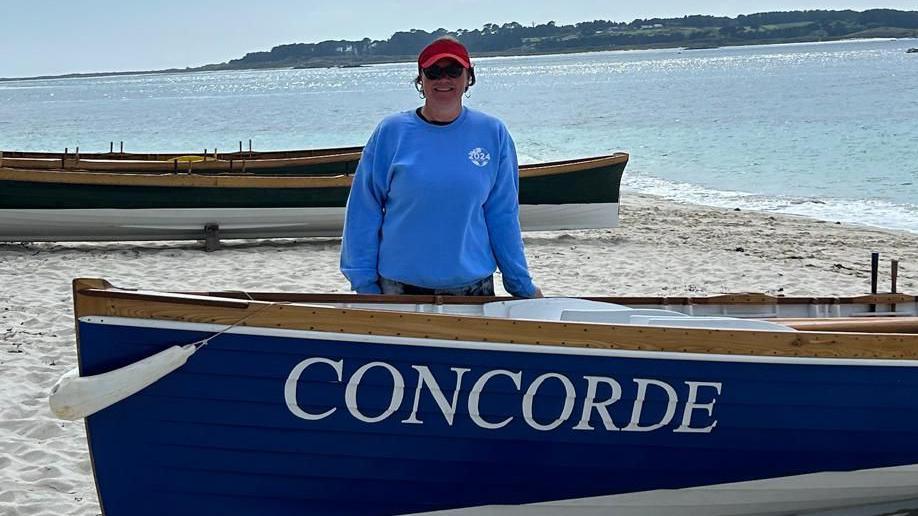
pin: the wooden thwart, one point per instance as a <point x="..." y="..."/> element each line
<point x="854" y="324"/>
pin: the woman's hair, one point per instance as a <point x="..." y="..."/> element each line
<point x="417" y="80"/>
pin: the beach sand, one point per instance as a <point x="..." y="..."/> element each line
<point x="661" y="248"/>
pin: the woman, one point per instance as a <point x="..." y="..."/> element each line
<point x="434" y="205"/>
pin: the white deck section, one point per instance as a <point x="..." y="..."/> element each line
<point x="800" y="494"/>
<point x="582" y="310"/>
<point x="610" y="316"/>
<point x="188" y="224"/>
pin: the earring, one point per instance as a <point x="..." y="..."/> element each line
<point x="468" y="94"/>
<point x="421" y="94"/>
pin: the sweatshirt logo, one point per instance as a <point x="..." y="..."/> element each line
<point x="479" y="156"/>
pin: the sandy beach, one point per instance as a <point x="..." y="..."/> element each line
<point x="661" y="248"/>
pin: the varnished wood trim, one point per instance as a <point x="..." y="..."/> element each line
<point x="254" y="161"/>
<point x="97" y="175"/>
<point x="182" y="299"/>
<point x="162" y="156"/>
<point x="289" y="297"/>
<point x="482" y="329"/>
<point x="760" y="299"/>
<point x="173" y="180"/>
<point x="80" y="285"/>
<point x="905" y="324"/>
<point x="733" y="299"/>
<point x="567" y="167"/>
<point x="32" y="163"/>
<point x="168" y="165"/>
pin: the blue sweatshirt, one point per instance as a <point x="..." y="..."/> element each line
<point x="436" y="206"/>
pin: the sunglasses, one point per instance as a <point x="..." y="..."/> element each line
<point x="452" y="71"/>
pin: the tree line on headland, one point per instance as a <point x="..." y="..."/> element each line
<point x="696" y="31"/>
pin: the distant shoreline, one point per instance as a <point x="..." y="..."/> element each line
<point x="409" y="59"/>
<point x="96" y="74"/>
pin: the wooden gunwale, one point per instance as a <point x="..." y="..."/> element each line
<point x="738" y="299"/>
<point x="114" y="166"/>
<point x="169" y="165"/>
<point x="565" y="167"/>
<point x="875" y="324"/>
<point x="162" y="156"/>
<point x="94" y="297"/>
<point x="181" y="179"/>
<point x="288" y="157"/>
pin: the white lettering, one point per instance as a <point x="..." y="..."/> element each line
<point x="398" y="392"/>
<point x="303" y="401"/>
<point x="294" y="378"/>
<point x="634" y="425"/>
<point x="692" y="404"/>
<point x="475" y="394"/>
<point x="602" y="408"/>
<point x="425" y="377"/>
<point x="570" y="396"/>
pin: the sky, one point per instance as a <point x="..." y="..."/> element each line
<point x="45" y="37"/>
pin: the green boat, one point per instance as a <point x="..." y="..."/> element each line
<point x="78" y="205"/>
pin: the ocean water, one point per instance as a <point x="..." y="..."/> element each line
<point x="827" y="130"/>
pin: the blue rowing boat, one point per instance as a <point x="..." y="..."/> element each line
<point x="344" y="405"/>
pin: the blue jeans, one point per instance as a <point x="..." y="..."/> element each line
<point x="482" y="287"/>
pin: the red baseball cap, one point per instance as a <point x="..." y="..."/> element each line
<point x="444" y="49"/>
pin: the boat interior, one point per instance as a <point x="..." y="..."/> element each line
<point x="876" y="313"/>
<point x="582" y="310"/>
<point x="871" y="313"/>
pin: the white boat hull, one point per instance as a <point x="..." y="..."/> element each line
<point x="188" y="224"/>
<point x="817" y="492"/>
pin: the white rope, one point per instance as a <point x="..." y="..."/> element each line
<point x="205" y="341"/>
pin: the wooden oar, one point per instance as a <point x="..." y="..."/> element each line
<point x="905" y="324"/>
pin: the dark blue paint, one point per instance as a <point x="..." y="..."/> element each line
<point x="215" y="437"/>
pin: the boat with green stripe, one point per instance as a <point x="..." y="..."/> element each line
<point x="76" y="205"/>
